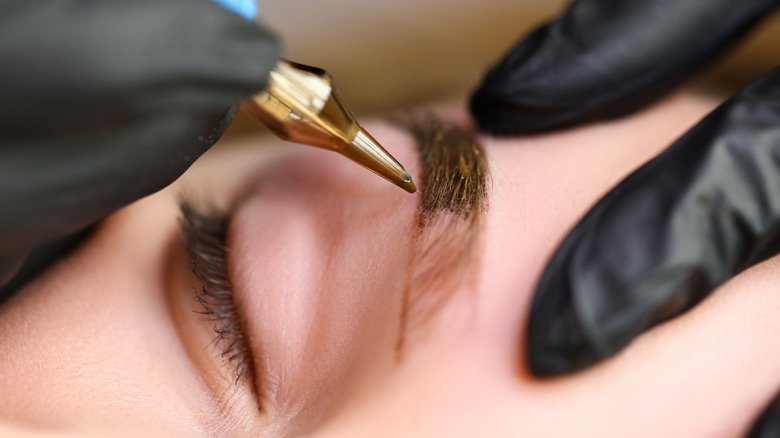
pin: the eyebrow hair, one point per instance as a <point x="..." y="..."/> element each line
<point x="454" y="196"/>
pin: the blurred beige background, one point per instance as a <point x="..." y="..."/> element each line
<point x="387" y="55"/>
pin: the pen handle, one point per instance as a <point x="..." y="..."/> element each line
<point x="245" y="8"/>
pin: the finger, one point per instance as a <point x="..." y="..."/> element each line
<point x="665" y="237"/>
<point x="74" y="66"/>
<point x="605" y="58"/>
<point x="768" y="424"/>
<point x="10" y="263"/>
<point x="18" y="268"/>
<point x="104" y="103"/>
<point x="58" y="186"/>
<point x="708" y="373"/>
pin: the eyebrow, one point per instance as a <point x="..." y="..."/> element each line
<point x="454" y="197"/>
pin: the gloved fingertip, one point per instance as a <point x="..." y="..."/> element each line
<point x="768" y="424"/>
<point x="496" y="113"/>
<point x="513" y="101"/>
<point x="224" y="122"/>
<point x="513" y="97"/>
<point x="206" y="130"/>
<point x="532" y="90"/>
<point x="556" y="340"/>
<point x="10" y="264"/>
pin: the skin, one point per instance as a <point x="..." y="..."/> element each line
<point x="105" y="342"/>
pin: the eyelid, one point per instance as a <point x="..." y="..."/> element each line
<point x="205" y="235"/>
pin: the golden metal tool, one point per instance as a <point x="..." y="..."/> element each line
<point x="302" y="104"/>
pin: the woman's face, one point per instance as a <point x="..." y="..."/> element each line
<point x="346" y="318"/>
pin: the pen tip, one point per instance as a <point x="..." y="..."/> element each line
<point x="407" y="184"/>
<point x="370" y="154"/>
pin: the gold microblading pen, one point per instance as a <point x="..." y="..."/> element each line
<point x="302" y="104"/>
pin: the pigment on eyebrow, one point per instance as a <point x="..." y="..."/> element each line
<point x="454" y="178"/>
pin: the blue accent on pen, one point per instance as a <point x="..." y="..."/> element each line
<point x="244" y="8"/>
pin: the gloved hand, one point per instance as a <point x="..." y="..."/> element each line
<point x="106" y="102"/>
<point x="681" y="225"/>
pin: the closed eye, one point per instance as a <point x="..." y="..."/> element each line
<point x="204" y="237"/>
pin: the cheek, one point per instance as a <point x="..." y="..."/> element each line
<point x="91" y="343"/>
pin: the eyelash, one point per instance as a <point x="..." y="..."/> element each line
<point x="204" y="235"/>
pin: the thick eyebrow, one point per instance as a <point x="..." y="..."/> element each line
<point x="453" y="186"/>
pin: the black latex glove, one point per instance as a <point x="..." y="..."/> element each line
<point x="104" y="102"/>
<point x="681" y="225"/>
